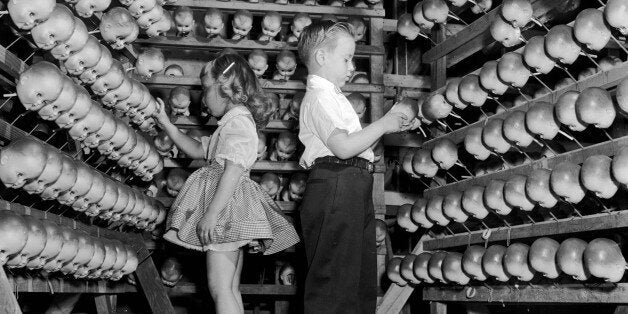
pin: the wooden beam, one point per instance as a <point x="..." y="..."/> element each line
<point x="106" y="303"/>
<point x="246" y="289"/>
<point x="150" y="281"/>
<point x="407" y="81"/>
<point x="602" y="293"/>
<point x="8" y="302"/>
<point x="61" y="285"/>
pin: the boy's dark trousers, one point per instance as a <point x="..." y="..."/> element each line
<point x="338" y="224"/>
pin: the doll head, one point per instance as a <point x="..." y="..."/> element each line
<point x="118" y="139"/>
<point x="295" y="104"/>
<point x="107" y="201"/>
<point x="63" y="103"/>
<point x="110" y="80"/>
<point x="359" y="27"/>
<point x="174" y="70"/>
<point x="162" y="26"/>
<point x="149" y="62"/>
<point x="286" y="145"/>
<point x="87" y="8"/>
<point x="21" y="161"/>
<point x="105" y="132"/>
<point x="151" y="17"/>
<point x="52" y="172"/>
<point x="214" y="22"/>
<point x="93" y="121"/>
<point x="39" y="85"/>
<point x="119" y="93"/>
<point x="90" y="74"/>
<point x="286" y="63"/>
<point x="175" y="181"/>
<point x="139" y="150"/>
<point x="300" y="21"/>
<point x="270" y="183"/>
<point x="95" y="193"/>
<point x="26" y="14"/>
<point x="163" y="143"/>
<point x="79" y="109"/>
<point x="262" y="149"/>
<point x="358" y="102"/>
<point x="271" y="25"/>
<point x="84" y="180"/>
<point x="65" y="181"/>
<point x="118" y="28"/>
<point x="87" y="57"/>
<point x="179" y="100"/>
<point x="122" y="142"/>
<point x="75" y="43"/>
<point x="360" y="78"/>
<point x="184" y="21"/>
<point x="56" y="29"/>
<point x="139" y="7"/>
<point x="297" y="186"/>
<point x="258" y="60"/>
<point x="241" y="24"/>
<point x="135" y="99"/>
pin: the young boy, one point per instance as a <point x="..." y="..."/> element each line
<point x="337" y="214"/>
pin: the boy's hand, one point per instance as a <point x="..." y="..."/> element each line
<point x="394" y="122"/>
<point x="160" y="115"/>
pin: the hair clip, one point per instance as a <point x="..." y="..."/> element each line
<point x="229" y="67"/>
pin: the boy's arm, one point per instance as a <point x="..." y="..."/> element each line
<point x="188" y="145"/>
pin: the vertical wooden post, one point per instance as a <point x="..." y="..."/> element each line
<point x="106" y="303"/>
<point x="438" y="68"/>
<point x="438" y="308"/>
<point x="401" y="48"/>
<point x="8" y="303"/>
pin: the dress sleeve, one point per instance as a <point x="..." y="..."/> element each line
<point x="324" y="119"/>
<point x="238" y="142"/>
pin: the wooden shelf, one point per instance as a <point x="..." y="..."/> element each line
<point x="603" y="221"/>
<point x="60" y="285"/>
<point x="287" y="9"/>
<point x="246" y="289"/>
<point x="216" y="44"/>
<point x="545" y="293"/>
<point x="607" y="79"/>
<point x="407" y="81"/>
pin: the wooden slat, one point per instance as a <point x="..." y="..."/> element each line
<point x="8" y="302"/>
<point x="604" y="221"/>
<point x="398" y="199"/>
<point x="608" y="148"/>
<point x="407" y="81"/>
<point x="390" y="25"/>
<point x="106" y="304"/>
<point x="537" y="293"/>
<point x="287" y="10"/>
<point x="245" y="289"/>
<point x="216" y="44"/>
<point x="606" y="79"/>
<point x="61" y="285"/>
<point x="11" y="64"/>
<point x="150" y="281"/>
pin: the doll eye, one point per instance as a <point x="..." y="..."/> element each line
<point x="38" y="95"/>
<point x="31" y="14"/>
<point x="55" y="107"/>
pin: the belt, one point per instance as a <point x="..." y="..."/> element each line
<point x="355" y="162"/>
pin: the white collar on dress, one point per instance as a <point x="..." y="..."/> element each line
<point x="232" y="113"/>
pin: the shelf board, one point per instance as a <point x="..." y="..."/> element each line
<point x="606" y="79"/>
<point x="284" y="9"/>
<point x="602" y="221"/>
<point x="537" y="293"/>
<point x="407" y="81"/>
<point x="269" y="85"/>
<point x="11" y="64"/>
<point x="216" y="44"/>
<point x="246" y="289"/>
<point x="61" y="285"/>
<point x="262" y="165"/>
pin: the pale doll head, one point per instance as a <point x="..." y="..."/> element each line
<point x="65" y="181"/>
<point x="111" y="80"/>
<point x="26" y="14"/>
<point x="297" y="186"/>
<point x="274" y="101"/>
<point x="360" y="78"/>
<point x="262" y="148"/>
<point x="52" y="172"/>
<point x="175" y="181"/>
<point x="174" y="70"/>
<point x="118" y="28"/>
<point x="163" y="143"/>
<point x="242" y="24"/>
<point x="179" y="99"/>
<point x="75" y="43"/>
<point x="271" y="24"/>
<point x="295" y="103"/>
<point x="105" y="132"/>
<point x="214" y="22"/>
<point x="287" y="275"/>
<point x="84" y="181"/>
<point x="107" y="201"/>
<point x="85" y="58"/>
<point x="21" y="161"/>
<point x="358" y="102"/>
<point x="149" y="62"/>
<point x="56" y="29"/>
<point x="94" y="119"/>
<point x="119" y="93"/>
<point x="135" y="155"/>
<point x="286" y="63"/>
<point x="79" y="109"/>
<point x="139" y="7"/>
<point x="258" y="61"/>
<point x="270" y="183"/>
<point x="64" y="101"/>
<point x="120" y="137"/>
<point x="162" y="26"/>
<point x="184" y="20"/>
<point x="359" y="27"/>
<point x="300" y="21"/>
<point x="95" y="193"/>
<point x="90" y="74"/>
<point x="286" y="145"/>
<point x="122" y="142"/>
<point x="87" y="8"/>
<point x="39" y="85"/>
<point x="171" y="271"/>
<point x="151" y="17"/>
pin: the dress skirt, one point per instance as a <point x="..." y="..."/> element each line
<point x="249" y="215"/>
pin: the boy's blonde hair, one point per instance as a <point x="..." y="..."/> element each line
<point x="319" y="34"/>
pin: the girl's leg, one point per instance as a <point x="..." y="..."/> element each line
<point x="235" y="285"/>
<point x="221" y="268"/>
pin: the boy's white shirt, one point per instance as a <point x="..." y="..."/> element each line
<point x="324" y="108"/>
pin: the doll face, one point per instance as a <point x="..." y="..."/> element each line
<point x="67" y="253"/>
<point x="34" y="245"/>
<point x="124" y="147"/>
<point x="174" y="70"/>
<point x="120" y="204"/>
<point x="21" y="161"/>
<point x="136" y="153"/>
<point x="87" y="57"/>
<point x="52" y="172"/>
<point x="145" y="167"/>
<point x="287" y="66"/>
<point x="95" y="193"/>
<point x="76" y="42"/>
<point x="139" y="7"/>
<point x="112" y="79"/>
<point x="259" y="64"/>
<point x="119" y="93"/>
<point x="104" y="133"/>
<point x="56" y="29"/>
<point x="79" y="109"/>
<point x="271" y="24"/>
<point x="163" y="143"/>
<point x="214" y="24"/>
<point x="286" y="145"/>
<point x="86" y="8"/>
<point x="27" y="14"/>
<point x="63" y="103"/>
<point x="118" y="28"/>
<point x="180" y="100"/>
<point x="119" y="136"/>
<point x="359" y="28"/>
<point x="84" y="181"/>
<point x="90" y="74"/>
<point x="136" y="163"/>
<point x="161" y="27"/>
<point x="95" y="261"/>
<point x="150" y="62"/>
<point x="107" y="201"/>
<point x="175" y="181"/>
<point x="298" y="24"/>
<point x="184" y="22"/>
<point x="93" y="121"/>
<point x="39" y="85"/>
<point x="53" y="246"/>
<point x="242" y="25"/>
<point x="144" y="113"/>
<point x="137" y="96"/>
<point x="270" y="183"/>
<point x="151" y="17"/>
<point x="297" y="186"/>
<point x="64" y="182"/>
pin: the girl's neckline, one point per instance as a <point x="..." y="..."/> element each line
<point x="234" y="112"/>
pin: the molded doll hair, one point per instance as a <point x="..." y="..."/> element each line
<point x="239" y="84"/>
<point x="318" y="34"/>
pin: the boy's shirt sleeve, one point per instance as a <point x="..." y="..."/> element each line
<point x="324" y="118"/>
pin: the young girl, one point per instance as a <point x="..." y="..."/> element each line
<point x="220" y="210"/>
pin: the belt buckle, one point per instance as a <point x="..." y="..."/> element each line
<point x="370" y="167"/>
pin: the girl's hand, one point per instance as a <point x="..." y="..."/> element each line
<point x="205" y="228"/>
<point x="160" y="115"/>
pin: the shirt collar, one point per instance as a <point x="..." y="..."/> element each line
<point x="318" y="82"/>
<point x="232" y="113"/>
